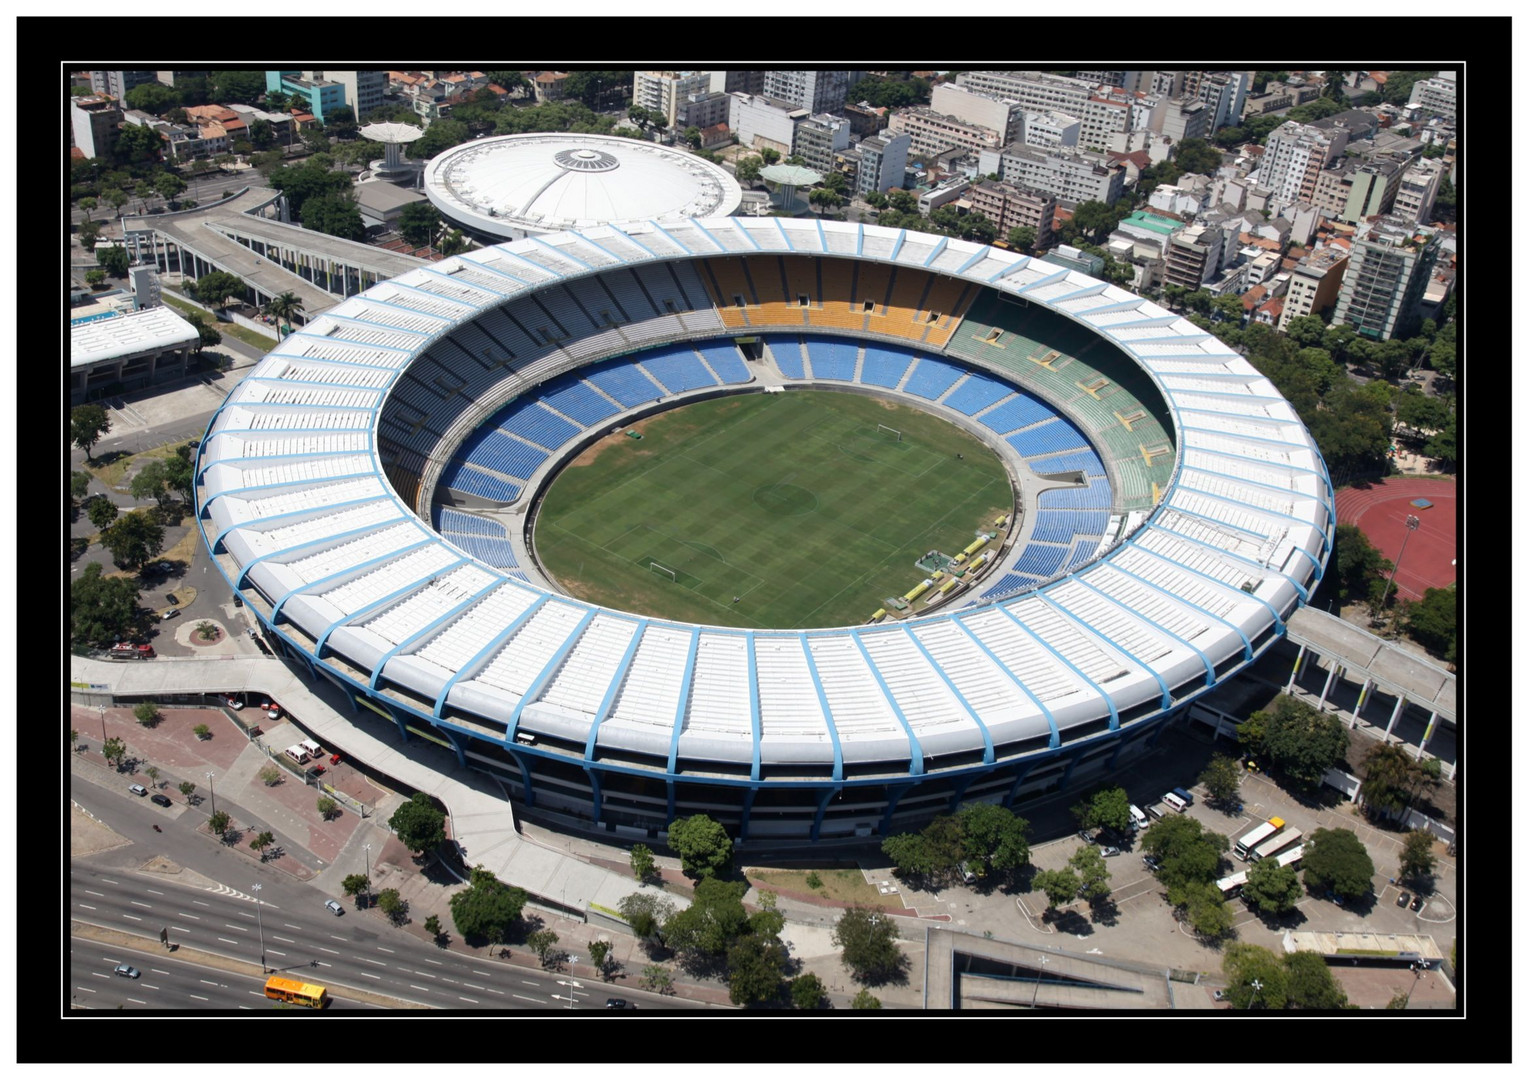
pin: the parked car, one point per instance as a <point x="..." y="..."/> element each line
<point x="1403" y="899"/>
<point x="1087" y="837"/>
<point x="1221" y="995"/>
<point x="1418" y="903"/>
<point x="334" y="907"/>
<point x="171" y="598"/>
<point x="173" y="613"/>
<point x="138" y="789"/>
<point x="127" y="971"/>
<point x="160" y="800"/>
<point x="618" y="1003"/>
<point x="1151" y="862"/>
<point x="1108" y="851"/>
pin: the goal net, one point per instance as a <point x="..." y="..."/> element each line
<point x="663" y="571"/>
<point x="888" y="432"/>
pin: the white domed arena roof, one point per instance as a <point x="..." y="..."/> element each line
<point x="513" y="184"/>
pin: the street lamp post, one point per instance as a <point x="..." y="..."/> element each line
<point x="1036" y="996"/>
<point x="1413" y="523"/>
<point x="1257" y="985"/>
<point x="571" y="984"/>
<point x="212" y="794"/>
<point x="1416" y="971"/>
<point x="367" y="848"/>
<point x="260" y="923"/>
<point x="103" y="725"/>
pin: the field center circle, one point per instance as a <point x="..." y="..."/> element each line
<point x="785" y="499"/>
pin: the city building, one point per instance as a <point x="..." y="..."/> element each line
<point x="1389" y="272"/>
<point x="117" y="83"/>
<point x="1374" y="185"/>
<point x="1181" y="118"/>
<point x="864" y="120"/>
<point x="548" y="85"/>
<point x="1193" y="255"/>
<point x="814" y="91"/>
<point x="1418" y="188"/>
<point x="819" y="138"/>
<point x="128" y="350"/>
<point x="1073" y="176"/>
<point x="1009" y="206"/>
<point x="764" y="122"/>
<point x="1438" y="94"/>
<point x="364" y="89"/>
<point x="1004" y="116"/>
<point x="933" y="133"/>
<point x="1294" y="156"/>
<point x="1314" y="283"/>
<point x="94" y="122"/>
<point x="667" y="92"/>
<point x="1074" y="259"/>
<point x="1225" y="94"/>
<point x="1050" y="129"/>
<point x="170" y="78"/>
<point x="321" y="95"/>
<point x="704" y="110"/>
<point x="882" y="163"/>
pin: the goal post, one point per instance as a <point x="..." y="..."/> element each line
<point x="663" y="571"/>
<point x="891" y="432"/>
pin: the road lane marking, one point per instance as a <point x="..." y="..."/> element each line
<point x="86" y="989"/>
<point x="135" y="918"/>
<point x="275" y="952"/>
<point x="369" y="975"/>
<point x="87" y="907"/>
<point x="437" y="963"/>
<point x="474" y="1001"/>
<point x="137" y="1001"/>
<point x="109" y="881"/>
<point x="369" y="960"/>
<point x="156" y="892"/>
<point x="531" y="982"/>
<point x="278" y="937"/>
<point x="92" y="892"/>
<point x="336" y="937"/>
<point x="491" y="990"/>
<point x="412" y="986"/>
<point x="289" y="926"/>
<point x="383" y="948"/>
<point x="188" y="915"/>
<point x="472" y="986"/>
<point x="485" y="974"/>
<point x="99" y="975"/>
<point x="234" y="926"/>
<point x="426" y="975"/>
<point x="140" y="903"/>
<point x="208" y="982"/>
<point x="230" y="941"/>
<point x="522" y="997"/>
<point x="331" y="952"/>
<point x="201" y="903"/>
<point x="198" y="997"/>
<point x="179" y="930"/>
<point x="156" y="971"/>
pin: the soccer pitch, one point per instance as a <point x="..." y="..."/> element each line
<point x="800" y="504"/>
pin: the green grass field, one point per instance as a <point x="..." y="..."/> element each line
<point x="795" y="502"/>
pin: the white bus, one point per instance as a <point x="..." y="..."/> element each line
<point x="1293" y="855"/>
<point x="1230" y="886"/>
<point x="1277" y="844"/>
<point x="1247" y="843"/>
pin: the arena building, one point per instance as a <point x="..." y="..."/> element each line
<point x="514" y="186"/>
<point x="1173" y="513"/>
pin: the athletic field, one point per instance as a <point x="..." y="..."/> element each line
<point x="800" y="504"/>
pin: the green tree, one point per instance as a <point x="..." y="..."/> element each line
<point x="876" y="200"/>
<point x="1222" y="779"/>
<point x="1023" y="237"/>
<point x="1417" y="858"/>
<point x="168" y="185"/>
<point x="1092" y="873"/>
<point x="283" y="307"/>
<point x="865" y="1000"/>
<point x="420" y="826"/>
<point x="1093" y="220"/>
<point x="646" y="913"/>
<point x="79" y="483"/>
<point x="755" y="969"/>
<point x="642" y="863"/>
<point x="102" y="610"/>
<point x="101" y="511"/>
<point x="714" y="919"/>
<point x="599" y="952"/>
<point x="236" y="87"/>
<point x="1206" y="910"/>
<point x="453" y="242"/>
<point x="909" y="853"/>
<point x="147" y="713"/>
<point x="95" y="276"/>
<point x="334" y="214"/>
<point x="261" y="135"/>
<point x="216" y="288"/>
<point x="1390" y="779"/>
<point x="262" y="842"/>
<point x="769" y="155"/>
<point x="1271" y="888"/>
<point x="1296" y="740"/>
<point x="747" y="171"/>
<point x="269" y="775"/>
<point x="703" y="846"/>
<point x="542" y="942"/>
<point x="87" y="423"/>
<point x="206" y="334"/>
<point x="152" y="482"/>
<point x="394" y="906"/>
<point x="867" y="940"/>
<point x="1187" y="853"/>
<point x="356" y="885"/>
<point x="114" y="750"/>
<point x="994" y="836"/>
<point x="339" y="123"/>
<point x="1306" y="329"/>
<point x="419" y="223"/>
<point x="808" y="992"/>
<point x="1059" y="886"/>
<point x="152" y="772"/>
<point x="1310" y="983"/>
<point x="1336" y="860"/>
<point x="201" y="731"/>
<point x="1107" y="808"/>
<point x="1245" y="965"/>
<point x="1197" y="156"/>
<point x="440" y="136"/>
<point x="302" y="182"/>
<point x="433" y="928"/>
<point x="133" y="539"/>
<point x="113" y="260"/>
<point x="89" y="233"/>
<point x="218" y="822"/>
<point x="187" y="789"/>
<point x="655" y="977"/>
<point x="486" y="903"/>
<point x="1360" y="565"/>
<point x="87" y="204"/>
<point x="327" y="807"/>
<point x="1434" y="622"/>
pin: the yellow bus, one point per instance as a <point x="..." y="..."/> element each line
<point x="297" y="993"/>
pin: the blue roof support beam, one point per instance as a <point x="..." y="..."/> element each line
<point x="610" y="691"/>
<point x="896" y="247"/>
<point x="470" y="669"/>
<point x="827" y="713"/>
<point x="1050" y="721"/>
<point x="548" y="671"/>
<point x="987" y="749"/>
<point x="1040" y="283"/>
<point x="682" y="245"/>
<point x="1091" y="290"/>
<point x="1099" y="690"/>
<point x="1256" y="567"/>
<point x="1011" y="268"/>
<point x="1278" y="622"/>
<point x="1047" y="598"/>
<point x="944" y="242"/>
<point x="564" y="252"/>
<point x="739" y="226"/>
<point x="419" y="635"/>
<point x="914" y="748"/>
<point x="396" y="283"/>
<point x="328" y="508"/>
<point x="754" y="720"/>
<point x="1209" y="668"/>
<point x="974" y="259"/>
<point x="686" y="688"/>
<point x="789" y="244"/>
<point x="329" y="541"/>
<point x="823" y="801"/>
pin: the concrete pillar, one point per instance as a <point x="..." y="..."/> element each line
<point x="1294" y="672"/>
<point x="1395" y="714"/>
<point x="1326" y="688"/>
<point x="1432" y="721"/>
<point x="1363" y="699"/>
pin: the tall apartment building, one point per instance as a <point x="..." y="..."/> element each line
<point x="764" y="122"/>
<point x="706" y="110"/>
<point x="1101" y="113"/>
<point x="1192" y="255"/>
<point x="1373" y="192"/>
<point x="1417" y="190"/>
<point x="1294" y="157"/>
<point x="322" y="95"/>
<point x="932" y="132"/>
<point x="363" y="89"/>
<point x="1385" y="280"/>
<point x="94" y="122"/>
<point x="1438" y="94"/>
<point x="814" y="91"/>
<point x="1050" y="129"/>
<point x="1073" y="176"/>
<point x="170" y="78"/>
<point x="117" y="83"/>
<point x="819" y="138"/>
<point x="1009" y="206"/>
<point x="1002" y="115"/>
<point x="1314" y="284"/>
<point x="667" y="92"/>
<point x="882" y="163"/>
<point x="1181" y="118"/>
<point x="1225" y="94"/>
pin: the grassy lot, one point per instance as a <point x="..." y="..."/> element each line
<point x="249" y="337"/>
<point x="797" y="503"/>
<point x="113" y="469"/>
<point x="845" y="886"/>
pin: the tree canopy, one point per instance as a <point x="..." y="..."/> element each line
<point x="1188" y="853"/>
<point x="1106" y="808"/>
<point x="335" y="214"/>
<point x="419" y="824"/>
<point x="299" y="183"/>
<point x="712" y="922"/>
<point x="1293" y="738"/>
<point x="1434" y="622"/>
<point x="133" y="539"/>
<point x="87" y="423"/>
<point x="1271" y="888"/>
<point x="419" y="222"/>
<point x="868" y="940"/>
<point x="702" y="844"/>
<point x="1336" y="859"/>
<point x="102" y="610"/>
<point x="486" y="905"/>
<point x="755" y="969"/>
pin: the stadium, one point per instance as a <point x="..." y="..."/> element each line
<point x="370" y="490"/>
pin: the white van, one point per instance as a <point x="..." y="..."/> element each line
<point x="297" y="754"/>
<point x="1176" y="803"/>
<point x="1137" y="817"/>
<point x="313" y="749"/>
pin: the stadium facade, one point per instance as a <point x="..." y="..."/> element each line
<point x="317" y="478"/>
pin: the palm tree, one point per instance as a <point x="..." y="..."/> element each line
<point x="282" y="308"/>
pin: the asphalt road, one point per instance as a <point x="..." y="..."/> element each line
<point x="300" y="935"/>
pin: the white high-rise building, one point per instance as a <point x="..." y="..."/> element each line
<point x="668" y="91"/>
<point x="814" y="91"/>
<point x="1438" y="94"/>
<point x="1295" y="155"/>
<point x="1002" y="115"/>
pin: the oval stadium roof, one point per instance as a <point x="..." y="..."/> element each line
<point x="541" y="183"/>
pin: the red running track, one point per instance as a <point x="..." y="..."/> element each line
<point x="1380" y="509"/>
